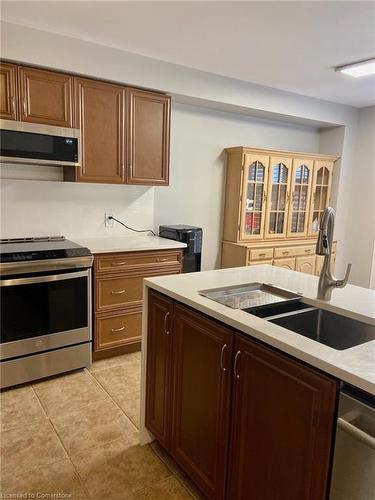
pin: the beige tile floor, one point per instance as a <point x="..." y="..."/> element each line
<point x="76" y="436"/>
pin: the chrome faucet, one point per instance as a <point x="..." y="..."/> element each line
<point x="327" y="282"/>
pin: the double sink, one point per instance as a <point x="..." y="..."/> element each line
<point x="287" y="309"/>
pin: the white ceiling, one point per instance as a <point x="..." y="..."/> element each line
<point x="286" y="45"/>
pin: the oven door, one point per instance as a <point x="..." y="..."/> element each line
<point x="46" y="312"/>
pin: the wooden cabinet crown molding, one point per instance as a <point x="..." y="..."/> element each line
<point x="280" y="152"/>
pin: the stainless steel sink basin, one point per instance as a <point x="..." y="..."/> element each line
<point x="333" y="330"/>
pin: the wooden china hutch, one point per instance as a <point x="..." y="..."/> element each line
<point x="274" y="201"/>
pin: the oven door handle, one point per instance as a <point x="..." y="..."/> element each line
<point x="43" y="279"/>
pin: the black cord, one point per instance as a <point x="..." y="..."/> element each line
<point x="131" y="229"/>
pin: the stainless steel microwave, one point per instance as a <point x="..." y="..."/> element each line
<point x="32" y="143"/>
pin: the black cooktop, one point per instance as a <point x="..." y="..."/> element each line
<point x="40" y="248"/>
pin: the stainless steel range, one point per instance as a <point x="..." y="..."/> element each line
<point x="45" y="308"/>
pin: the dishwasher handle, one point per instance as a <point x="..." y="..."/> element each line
<point x="345" y="425"/>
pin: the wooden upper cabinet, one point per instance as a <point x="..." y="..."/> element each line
<point x="321" y="193"/>
<point x="274" y="195"/>
<point x="8" y="91"/>
<point x="45" y="97"/>
<point x="254" y="193"/>
<point x="280" y="172"/>
<point x="100" y="116"/>
<point x="202" y="356"/>
<point x="159" y="364"/>
<point x="282" y="422"/>
<point x="301" y="182"/>
<point x="148" y="138"/>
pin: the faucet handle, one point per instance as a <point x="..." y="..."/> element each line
<point x="343" y="282"/>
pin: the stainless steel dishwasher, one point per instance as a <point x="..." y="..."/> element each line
<point x="353" y="474"/>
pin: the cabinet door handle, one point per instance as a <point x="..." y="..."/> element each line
<point x="24" y="106"/>
<point x="166" y="316"/>
<point x="285" y="253"/>
<point x="117" y="292"/>
<point x="115" y="330"/>
<point x="262" y="255"/>
<point x="163" y="260"/>
<point x="13" y="105"/>
<point x="236" y="374"/>
<point x="118" y="263"/>
<point x="222" y="367"/>
<point x="308" y="250"/>
<point x="264" y="196"/>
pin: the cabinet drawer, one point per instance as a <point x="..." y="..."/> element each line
<point x="115" y="292"/>
<point x="261" y="254"/>
<point x="136" y="260"/>
<point x="285" y="263"/>
<point x="117" y="329"/>
<point x="283" y="252"/>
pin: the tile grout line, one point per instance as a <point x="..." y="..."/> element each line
<point x="70" y="460"/>
<point x="115" y="402"/>
<point x="62" y="444"/>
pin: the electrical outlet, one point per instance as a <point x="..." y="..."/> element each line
<point x="108" y="222"/>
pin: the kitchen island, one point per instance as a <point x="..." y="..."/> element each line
<point x="239" y="401"/>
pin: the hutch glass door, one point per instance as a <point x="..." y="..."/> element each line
<point x="254" y="196"/>
<point x="321" y="193"/>
<point x="278" y="198"/>
<point x="300" y="199"/>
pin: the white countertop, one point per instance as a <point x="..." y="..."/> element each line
<point x="128" y="243"/>
<point x="355" y="365"/>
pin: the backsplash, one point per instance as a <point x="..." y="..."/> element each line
<point x="40" y="208"/>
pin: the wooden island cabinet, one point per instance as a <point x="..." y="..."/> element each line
<point x="243" y="420"/>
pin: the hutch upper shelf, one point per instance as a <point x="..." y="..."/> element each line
<point x="275" y="194"/>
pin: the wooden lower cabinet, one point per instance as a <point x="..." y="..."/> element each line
<point x="244" y="421"/>
<point x="260" y="262"/>
<point x="117" y="329"/>
<point x="282" y="425"/>
<point x="285" y="263"/>
<point x="159" y="365"/>
<point x="306" y="264"/>
<point x="202" y="355"/>
<point x="297" y="255"/>
<point x="118" y="296"/>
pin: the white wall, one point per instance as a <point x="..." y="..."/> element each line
<point x="361" y="200"/>
<point x="40" y="208"/>
<point x="196" y="194"/>
<point x="187" y="85"/>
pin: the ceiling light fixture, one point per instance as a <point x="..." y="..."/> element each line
<point x="361" y="68"/>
